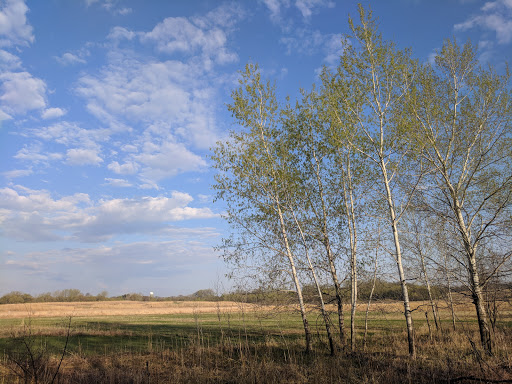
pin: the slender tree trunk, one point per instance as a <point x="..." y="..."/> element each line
<point x="337" y="291"/>
<point x="398" y="259"/>
<point x="449" y="286"/>
<point x="476" y="288"/>
<point x="478" y="300"/>
<point x="370" y="301"/>
<point x="330" y="256"/>
<point x="325" y="315"/>
<point x="298" y="288"/>
<point x="429" y="290"/>
<point x="349" y="208"/>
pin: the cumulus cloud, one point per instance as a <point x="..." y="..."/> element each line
<point x="34" y="215"/>
<point x="117" y="182"/>
<point x="120" y="33"/>
<point x="164" y="108"/>
<point x="19" y="199"/>
<point x="495" y="16"/>
<point x="167" y="160"/>
<point x="53" y="113"/>
<point x="83" y="156"/>
<point x="21" y="92"/>
<point x="168" y="102"/>
<point x="34" y="153"/>
<point x="14" y="29"/>
<point x="69" y="58"/>
<point x="179" y="35"/>
<point x="128" y="168"/>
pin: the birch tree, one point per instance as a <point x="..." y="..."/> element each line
<point x="463" y="116"/>
<point x="307" y="129"/>
<point x="253" y="180"/>
<point x="371" y="84"/>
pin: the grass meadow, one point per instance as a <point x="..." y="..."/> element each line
<point x="224" y="342"/>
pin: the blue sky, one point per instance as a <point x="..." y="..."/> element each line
<point x="108" y="109"/>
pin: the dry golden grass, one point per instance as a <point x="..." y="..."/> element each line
<point x="116" y="308"/>
<point x="127" y="308"/>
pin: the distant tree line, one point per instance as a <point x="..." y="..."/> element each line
<point x="65" y="295"/>
<point x="75" y="295"/>
<point x="384" y="290"/>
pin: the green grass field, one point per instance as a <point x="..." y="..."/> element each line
<point x="247" y="346"/>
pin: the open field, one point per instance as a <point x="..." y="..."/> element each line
<point x="115" y="308"/>
<point x="190" y="342"/>
<point x="135" y="308"/>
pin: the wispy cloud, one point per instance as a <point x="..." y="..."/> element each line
<point x="69" y="58"/>
<point x="494" y="16"/>
<point x="306" y="8"/>
<point x="307" y="42"/>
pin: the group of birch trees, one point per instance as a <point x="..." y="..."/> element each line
<point x="386" y="154"/>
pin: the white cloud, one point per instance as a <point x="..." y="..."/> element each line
<point x="165" y="109"/>
<point x="83" y="156"/>
<point x="495" y="16"/>
<point x="167" y="160"/>
<point x="8" y="61"/>
<point x="14" y="29"/>
<point x="35" y="216"/>
<point x="274" y="6"/>
<point x="128" y="168"/>
<point x="111" y="6"/>
<point x="4" y="116"/>
<point x="15" y="173"/>
<point x="179" y="35"/>
<point x="169" y="93"/>
<point x="69" y="58"/>
<point x="117" y="182"/>
<point x="170" y="104"/>
<point x="33" y="153"/>
<point x="307" y="7"/>
<point x="72" y="135"/>
<point x="124" y="11"/>
<point x="24" y="200"/>
<point x="120" y="33"/>
<point x="308" y="42"/>
<point x="53" y="113"/>
<point x="21" y="92"/>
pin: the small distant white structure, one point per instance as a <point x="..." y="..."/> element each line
<point x="150" y="294"/>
